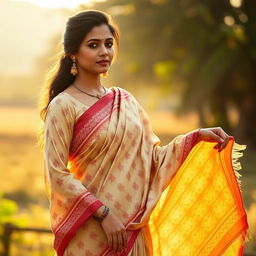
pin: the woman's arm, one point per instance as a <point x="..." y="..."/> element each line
<point x="69" y="197"/>
<point x="71" y="203"/>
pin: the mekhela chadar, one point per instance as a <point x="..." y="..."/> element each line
<point x="180" y="199"/>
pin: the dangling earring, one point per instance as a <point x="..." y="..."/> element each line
<point x="74" y="70"/>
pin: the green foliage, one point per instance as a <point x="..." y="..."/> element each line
<point x="22" y="242"/>
<point x="8" y="209"/>
<point x="164" y="69"/>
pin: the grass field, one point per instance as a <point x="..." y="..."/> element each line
<point x="21" y="163"/>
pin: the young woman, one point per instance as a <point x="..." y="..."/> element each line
<point x="105" y="170"/>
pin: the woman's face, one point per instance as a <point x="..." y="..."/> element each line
<point x="96" y="46"/>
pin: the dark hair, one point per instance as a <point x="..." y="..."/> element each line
<point x="77" y="27"/>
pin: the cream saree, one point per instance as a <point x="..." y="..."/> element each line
<point x="178" y="199"/>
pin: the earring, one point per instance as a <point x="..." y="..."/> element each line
<point x="74" y="70"/>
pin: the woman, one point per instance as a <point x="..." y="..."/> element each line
<point x="105" y="171"/>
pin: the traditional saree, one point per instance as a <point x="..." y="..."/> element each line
<point x="179" y="199"/>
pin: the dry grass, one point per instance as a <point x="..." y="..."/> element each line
<point x="19" y="121"/>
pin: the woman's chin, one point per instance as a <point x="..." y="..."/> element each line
<point x="105" y="70"/>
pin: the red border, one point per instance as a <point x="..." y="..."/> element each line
<point x="88" y="116"/>
<point x="242" y="224"/>
<point x="91" y="111"/>
<point x="62" y="237"/>
<point x="237" y="230"/>
<point x="232" y="176"/>
<point x="190" y="142"/>
<point x="131" y="242"/>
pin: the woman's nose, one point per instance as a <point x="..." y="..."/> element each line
<point x="103" y="50"/>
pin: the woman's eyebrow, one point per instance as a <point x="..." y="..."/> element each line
<point x="95" y="39"/>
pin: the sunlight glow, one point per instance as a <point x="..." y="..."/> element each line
<point x="229" y="20"/>
<point x="236" y="3"/>
<point x="58" y="3"/>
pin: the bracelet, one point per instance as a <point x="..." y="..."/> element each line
<point x="103" y="215"/>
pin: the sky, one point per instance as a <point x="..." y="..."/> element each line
<point x="28" y="27"/>
<point x="26" y="31"/>
<point x="71" y="4"/>
<point x="57" y="3"/>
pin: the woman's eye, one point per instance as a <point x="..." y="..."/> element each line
<point x="93" y="45"/>
<point x="109" y="45"/>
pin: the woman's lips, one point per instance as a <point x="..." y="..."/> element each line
<point x="103" y="63"/>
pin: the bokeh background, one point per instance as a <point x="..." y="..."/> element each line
<point x="190" y="63"/>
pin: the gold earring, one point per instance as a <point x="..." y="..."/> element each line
<point x="74" y="70"/>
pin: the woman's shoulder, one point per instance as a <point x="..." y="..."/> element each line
<point x="125" y="93"/>
<point x="61" y="103"/>
<point x="61" y="99"/>
<point x="121" y="89"/>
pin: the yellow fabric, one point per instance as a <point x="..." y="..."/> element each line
<point x="201" y="212"/>
<point x="119" y="162"/>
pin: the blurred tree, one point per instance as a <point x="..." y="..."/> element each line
<point x="222" y="74"/>
<point x="206" y="47"/>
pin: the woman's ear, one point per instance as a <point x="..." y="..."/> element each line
<point x="71" y="56"/>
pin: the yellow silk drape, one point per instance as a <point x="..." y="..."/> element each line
<point x="201" y="210"/>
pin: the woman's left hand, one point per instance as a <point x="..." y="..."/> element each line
<point x="214" y="134"/>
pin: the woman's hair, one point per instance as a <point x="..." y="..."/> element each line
<point x="59" y="77"/>
<point x="77" y="27"/>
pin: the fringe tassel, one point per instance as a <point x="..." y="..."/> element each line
<point x="248" y="236"/>
<point x="235" y="161"/>
<point x="236" y="154"/>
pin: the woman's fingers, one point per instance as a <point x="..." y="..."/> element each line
<point x="115" y="241"/>
<point x="215" y="134"/>
<point x="217" y="146"/>
<point x="216" y="137"/>
<point x="125" y="238"/>
<point x="225" y="137"/>
<point x="220" y="137"/>
<point x="120" y="241"/>
<point x="110" y="241"/>
<point x="115" y="231"/>
<point x="224" y="144"/>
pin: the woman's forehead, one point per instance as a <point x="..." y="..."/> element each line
<point x="100" y="32"/>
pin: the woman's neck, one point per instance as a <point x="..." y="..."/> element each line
<point x="88" y="82"/>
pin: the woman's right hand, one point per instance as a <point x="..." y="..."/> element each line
<point x="115" y="232"/>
